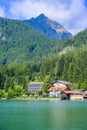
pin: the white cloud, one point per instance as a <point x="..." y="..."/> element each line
<point x="2" y="13"/>
<point x="71" y="13"/>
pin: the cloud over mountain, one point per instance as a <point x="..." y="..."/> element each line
<point x="70" y="13"/>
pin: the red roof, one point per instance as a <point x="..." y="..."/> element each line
<point x="53" y="88"/>
<point x="69" y="92"/>
<point x="56" y="88"/>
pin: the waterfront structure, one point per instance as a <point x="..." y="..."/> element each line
<point x="76" y="97"/>
<point x="34" y="86"/>
<point x="56" y="90"/>
<point x="71" y="95"/>
<point x="65" y="95"/>
<point x="62" y="90"/>
<point x="84" y="92"/>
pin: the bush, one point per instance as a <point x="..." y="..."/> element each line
<point x="10" y="94"/>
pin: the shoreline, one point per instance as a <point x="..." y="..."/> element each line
<point x="40" y="99"/>
<point x="52" y="99"/>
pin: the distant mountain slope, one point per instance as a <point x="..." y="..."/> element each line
<point x="80" y="39"/>
<point x="49" y="27"/>
<point x="19" y="43"/>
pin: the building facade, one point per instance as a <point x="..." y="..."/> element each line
<point x="84" y="92"/>
<point x="57" y="89"/>
<point x="35" y="86"/>
<point x="71" y="95"/>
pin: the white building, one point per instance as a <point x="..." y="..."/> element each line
<point x="35" y="86"/>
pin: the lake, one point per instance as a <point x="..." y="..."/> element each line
<point x="43" y="115"/>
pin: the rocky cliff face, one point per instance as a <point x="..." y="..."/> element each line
<point x="49" y="27"/>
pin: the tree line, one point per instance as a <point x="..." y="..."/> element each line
<point x="70" y="67"/>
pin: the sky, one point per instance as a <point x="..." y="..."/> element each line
<point x="72" y="14"/>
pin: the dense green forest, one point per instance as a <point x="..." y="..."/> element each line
<point x="70" y="67"/>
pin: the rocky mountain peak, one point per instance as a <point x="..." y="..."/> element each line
<point x="49" y="27"/>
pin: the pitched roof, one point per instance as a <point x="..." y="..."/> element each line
<point x="56" y="88"/>
<point x="69" y="91"/>
<point x="62" y="82"/>
<point x="53" y="88"/>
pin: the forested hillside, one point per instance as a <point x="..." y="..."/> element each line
<point x="69" y="67"/>
<point x="21" y="43"/>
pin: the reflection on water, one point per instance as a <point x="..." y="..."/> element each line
<point x="43" y="115"/>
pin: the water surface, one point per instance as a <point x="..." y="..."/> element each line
<point x="43" y="115"/>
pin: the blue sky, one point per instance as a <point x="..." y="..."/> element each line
<point x="72" y="14"/>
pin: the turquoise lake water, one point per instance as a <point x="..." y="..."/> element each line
<point x="43" y="115"/>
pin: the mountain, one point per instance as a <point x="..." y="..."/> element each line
<point x="49" y="27"/>
<point x="20" y="42"/>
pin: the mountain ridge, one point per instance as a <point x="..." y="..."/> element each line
<point x="49" y="27"/>
<point x="20" y="43"/>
